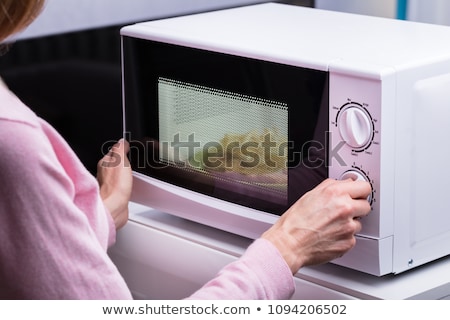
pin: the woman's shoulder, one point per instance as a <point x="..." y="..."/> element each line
<point x="20" y="129"/>
<point x="14" y="110"/>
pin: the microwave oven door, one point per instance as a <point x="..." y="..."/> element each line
<point x="245" y="131"/>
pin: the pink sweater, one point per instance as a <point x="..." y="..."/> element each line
<point x="55" y="231"/>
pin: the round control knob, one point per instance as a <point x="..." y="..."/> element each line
<point x="355" y="126"/>
<point x="356" y="175"/>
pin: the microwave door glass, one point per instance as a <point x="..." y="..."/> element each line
<point x="237" y="141"/>
<point x="237" y="129"/>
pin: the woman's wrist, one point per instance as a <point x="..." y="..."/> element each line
<point x="118" y="209"/>
<point x="287" y="247"/>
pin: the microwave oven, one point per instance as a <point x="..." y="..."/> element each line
<point x="232" y="115"/>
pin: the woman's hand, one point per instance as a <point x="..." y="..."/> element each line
<point x="115" y="180"/>
<point x="321" y="225"/>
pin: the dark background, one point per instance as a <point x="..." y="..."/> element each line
<point x="73" y="81"/>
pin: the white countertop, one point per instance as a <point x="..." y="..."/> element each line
<point x="157" y="244"/>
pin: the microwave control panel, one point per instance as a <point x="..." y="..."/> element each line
<point x="354" y="138"/>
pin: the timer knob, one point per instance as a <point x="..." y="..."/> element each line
<point x="356" y="175"/>
<point x="355" y="126"/>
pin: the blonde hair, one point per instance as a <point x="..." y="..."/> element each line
<point x="15" y="15"/>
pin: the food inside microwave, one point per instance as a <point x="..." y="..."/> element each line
<point x="250" y="153"/>
<point x="255" y="157"/>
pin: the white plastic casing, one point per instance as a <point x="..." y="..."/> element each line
<point x="396" y="74"/>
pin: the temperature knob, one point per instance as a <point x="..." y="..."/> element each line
<point x="355" y="126"/>
<point x="356" y="175"/>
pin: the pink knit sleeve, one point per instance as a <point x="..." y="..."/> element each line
<point x="261" y="273"/>
<point x="54" y="230"/>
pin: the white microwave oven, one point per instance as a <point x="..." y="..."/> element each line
<point x="234" y="114"/>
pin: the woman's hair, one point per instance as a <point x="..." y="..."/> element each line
<point x="16" y="15"/>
